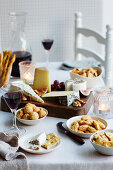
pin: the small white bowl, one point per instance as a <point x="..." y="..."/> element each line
<point x="102" y="149"/>
<point x="91" y="81"/>
<point x="83" y="135"/>
<point x="31" y="122"/>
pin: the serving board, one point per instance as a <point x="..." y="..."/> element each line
<point x="57" y="110"/>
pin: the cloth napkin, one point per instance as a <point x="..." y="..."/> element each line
<point x="10" y="159"/>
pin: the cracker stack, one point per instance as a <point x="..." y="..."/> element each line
<point x="6" y="62"/>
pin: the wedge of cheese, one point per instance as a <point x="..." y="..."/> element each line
<point x="26" y="89"/>
<point x="65" y="98"/>
<point x="42" y="79"/>
<point x="60" y="93"/>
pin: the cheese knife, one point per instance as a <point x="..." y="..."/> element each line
<point x="71" y="135"/>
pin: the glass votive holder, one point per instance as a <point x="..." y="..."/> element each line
<point x="27" y="70"/>
<point x="103" y="102"/>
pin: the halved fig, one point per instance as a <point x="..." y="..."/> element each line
<point x="84" y="93"/>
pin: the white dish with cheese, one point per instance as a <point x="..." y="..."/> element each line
<point x="24" y="143"/>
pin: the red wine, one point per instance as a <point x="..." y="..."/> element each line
<point x="13" y="99"/>
<point x="47" y="43"/>
<point x="20" y="56"/>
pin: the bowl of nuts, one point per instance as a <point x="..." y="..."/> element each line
<point x="92" y="75"/>
<point x="31" y="114"/>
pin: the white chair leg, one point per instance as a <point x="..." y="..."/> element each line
<point x="109" y="56"/>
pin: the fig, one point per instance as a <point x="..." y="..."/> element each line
<point x="84" y="93"/>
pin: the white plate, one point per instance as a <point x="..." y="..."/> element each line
<point x="84" y="135"/>
<point x="31" y="122"/>
<point x="83" y="63"/>
<point x="24" y="144"/>
<point x="102" y="149"/>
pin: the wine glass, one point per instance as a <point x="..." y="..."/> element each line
<point x="47" y="44"/>
<point x="12" y="99"/>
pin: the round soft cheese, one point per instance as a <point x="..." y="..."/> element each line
<point x="69" y="85"/>
<point x="79" y="84"/>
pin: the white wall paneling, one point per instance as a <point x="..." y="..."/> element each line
<point x="54" y="17"/>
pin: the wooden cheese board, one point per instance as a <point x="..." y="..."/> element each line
<point x="57" y="110"/>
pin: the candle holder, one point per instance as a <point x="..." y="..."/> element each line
<point x="103" y="103"/>
<point x="27" y="70"/>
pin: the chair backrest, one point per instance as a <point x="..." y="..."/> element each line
<point x="106" y="41"/>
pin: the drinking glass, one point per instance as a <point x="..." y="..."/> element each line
<point x="12" y="99"/>
<point x="47" y="44"/>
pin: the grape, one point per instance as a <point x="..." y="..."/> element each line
<point x="56" y="82"/>
<point x="52" y="87"/>
<point x="62" y="85"/>
<point x="58" y="87"/>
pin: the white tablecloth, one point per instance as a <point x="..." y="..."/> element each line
<point x="69" y="155"/>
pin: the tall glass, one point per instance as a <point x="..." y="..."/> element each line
<point x="12" y="99"/>
<point x="47" y="44"/>
<point x="18" y="42"/>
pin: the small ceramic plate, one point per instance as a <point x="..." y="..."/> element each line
<point x="31" y="122"/>
<point x="84" y="135"/>
<point x="24" y="144"/>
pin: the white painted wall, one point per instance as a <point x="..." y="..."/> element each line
<point x="56" y="17"/>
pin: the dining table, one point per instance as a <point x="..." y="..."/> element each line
<point x="69" y="155"/>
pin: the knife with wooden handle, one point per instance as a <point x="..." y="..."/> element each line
<point x="71" y="135"/>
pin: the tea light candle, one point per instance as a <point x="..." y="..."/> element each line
<point x="27" y="69"/>
<point x="28" y="77"/>
<point x="104" y="109"/>
<point x="103" y="102"/>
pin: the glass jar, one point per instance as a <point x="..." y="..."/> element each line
<point x="103" y="102"/>
<point x="27" y="70"/>
<point x="18" y="43"/>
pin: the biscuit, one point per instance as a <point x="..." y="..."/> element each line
<point x="83" y="127"/>
<point x="104" y="139"/>
<point x="75" y="126"/>
<point x="96" y="125"/>
<point x="28" y="108"/>
<point x="87" y="125"/>
<point x="52" y="139"/>
<point x="101" y="124"/>
<point x="20" y="113"/>
<point x="34" y="116"/>
<point x="91" y="129"/>
<point x="85" y="118"/>
<point x="26" y="116"/>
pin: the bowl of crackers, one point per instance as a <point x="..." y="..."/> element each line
<point x="102" y="141"/>
<point x="31" y="114"/>
<point x="92" y="75"/>
<point x="84" y="126"/>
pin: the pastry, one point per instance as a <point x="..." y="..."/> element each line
<point x="52" y="140"/>
<point x="104" y="139"/>
<point x="31" y="112"/>
<point x="87" y="125"/>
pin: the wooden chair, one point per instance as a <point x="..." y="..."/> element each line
<point x="107" y="41"/>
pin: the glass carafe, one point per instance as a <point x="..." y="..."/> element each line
<point x="18" y="43"/>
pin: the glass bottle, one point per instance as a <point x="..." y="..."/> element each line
<point x="18" y="43"/>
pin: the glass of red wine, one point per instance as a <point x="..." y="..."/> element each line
<point x="47" y="44"/>
<point x="12" y="99"/>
